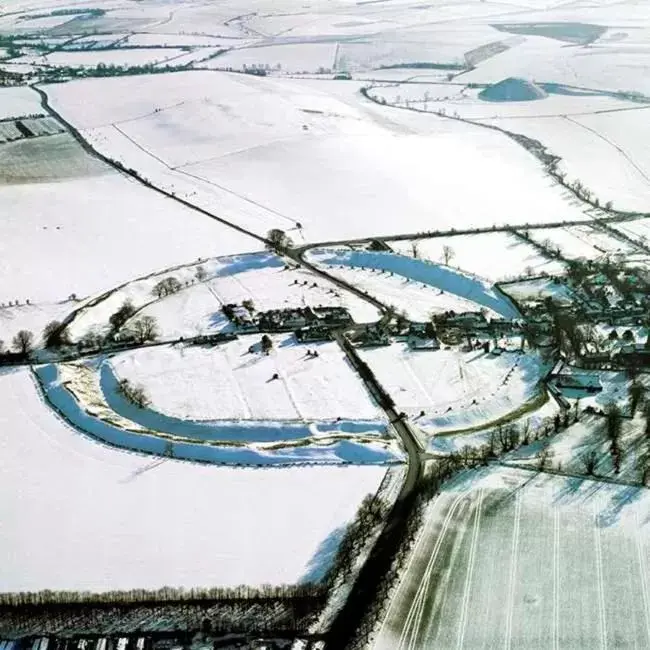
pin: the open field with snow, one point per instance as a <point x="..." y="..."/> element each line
<point x="227" y="382"/>
<point x="32" y="317"/>
<point x="92" y="58"/>
<point x="515" y="559"/>
<point x="538" y="289"/>
<point x="416" y="286"/>
<point x="197" y="308"/>
<point x="87" y="395"/>
<point x="92" y="243"/>
<point x="455" y="390"/>
<point x="201" y="133"/>
<point x="599" y="150"/>
<point x="287" y="59"/>
<point x="466" y="102"/>
<point x="267" y="526"/>
<point x="19" y="102"/>
<point x="578" y="242"/>
<point x="508" y="256"/>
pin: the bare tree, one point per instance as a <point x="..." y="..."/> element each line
<point x="266" y="343"/>
<point x="23" y="342"/>
<point x="278" y="240"/>
<point x="145" y="329"/>
<point x="636" y="393"/>
<point x="55" y="335"/>
<point x="590" y="460"/>
<point x="415" y="249"/>
<point x="613" y="422"/>
<point x="448" y="254"/>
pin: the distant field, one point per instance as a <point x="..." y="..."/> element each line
<point x="266" y="152"/>
<point x="509" y="558"/>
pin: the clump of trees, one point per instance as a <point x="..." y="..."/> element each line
<point x="166" y="287"/>
<point x="144" y="329"/>
<point x="370" y="515"/>
<point x="91" y="340"/>
<point x="123" y="314"/>
<point x="278" y="240"/>
<point x="614" y="430"/>
<point x="55" y="335"/>
<point x="266" y="344"/>
<point x="134" y="393"/>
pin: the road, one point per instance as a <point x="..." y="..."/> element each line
<point x="381" y="557"/>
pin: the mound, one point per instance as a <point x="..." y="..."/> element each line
<point x="512" y="90"/>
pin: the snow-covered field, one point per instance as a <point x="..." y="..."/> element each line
<point x="584" y="242"/>
<point x="416" y="286"/>
<point x="82" y="516"/>
<point x="288" y="58"/>
<point x="572" y="448"/>
<point x="32" y="317"/>
<point x="87" y="227"/>
<point x="600" y="150"/>
<point x="91" y="401"/>
<point x="455" y="390"/>
<point x="506" y="555"/>
<point x="465" y="102"/>
<point x="493" y="256"/>
<point x="227" y="382"/>
<point x="196" y="309"/>
<point x="538" y="289"/>
<point x="92" y="58"/>
<point x="19" y="102"/>
<point x="203" y="133"/>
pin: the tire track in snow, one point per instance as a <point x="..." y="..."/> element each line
<point x="643" y="575"/>
<point x="601" y="587"/>
<point x="470" y="571"/>
<point x="513" y="571"/>
<point x="414" y="617"/>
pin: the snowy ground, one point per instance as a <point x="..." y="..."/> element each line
<point x="585" y="242"/>
<point x="196" y="309"/>
<point x="19" y="102"/>
<point x="201" y="133"/>
<point x="597" y="149"/>
<point x="505" y="555"/>
<point x="614" y="386"/>
<point x="266" y="526"/>
<point x="90" y="245"/>
<point x="456" y="390"/>
<point x="227" y="382"/>
<point x="538" y="289"/>
<point x="31" y="317"/>
<point x="92" y="58"/>
<point x="416" y="286"/>
<point x="493" y="256"/>
<point x="571" y="448"/>
<point x="91" y="401"/>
